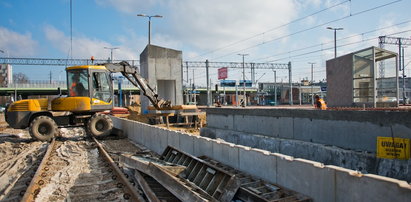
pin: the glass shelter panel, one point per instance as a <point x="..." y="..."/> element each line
<point x="363" y="76"/>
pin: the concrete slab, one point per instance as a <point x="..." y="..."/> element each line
<point x="227" y="135"/>
<point x="221" y="121"/>
<point x="269" y="126"/>
<point x="307" y="177"/>
<point x="226" y="153"/>
<point x="203" y="146"/>
<point x="244" y="123"/>
<point x="187" y="143"/>
<point x="286" y="127"/>
<point x="160" y="143"/>
<point x="173" y="139"/>
<point x="354" y="186"/>
<point x="259" y="163"/>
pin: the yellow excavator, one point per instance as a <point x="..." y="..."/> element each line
<point x="90" y="91"/>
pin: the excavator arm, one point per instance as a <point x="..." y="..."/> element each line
<point x="130" y="72"/>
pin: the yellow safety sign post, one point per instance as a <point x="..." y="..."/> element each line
<point x="393" y="148"/>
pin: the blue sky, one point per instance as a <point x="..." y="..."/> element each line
<point x="203" y="29"/>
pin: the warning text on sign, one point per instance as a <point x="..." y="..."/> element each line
<point x="393" y="148"/>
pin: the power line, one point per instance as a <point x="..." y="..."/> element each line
<point x="323" y="49"/>
<point x="307" y="29"/>
<point x="272" y="29"/>
<point x="348" y="37"/>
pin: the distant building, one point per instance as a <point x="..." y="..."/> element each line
<point x="6" y="75"/>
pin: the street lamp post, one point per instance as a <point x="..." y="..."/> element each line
<point x="244" y="94"/>
<point x="149" y="24"/>
<point x="111" y="52"/>
<point x="335" y="38"/>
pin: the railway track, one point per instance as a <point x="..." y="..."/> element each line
<point x="74" y="170"/>
<point x="80" y="169"/>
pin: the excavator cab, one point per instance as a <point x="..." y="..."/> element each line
<point x="89" y="90"/>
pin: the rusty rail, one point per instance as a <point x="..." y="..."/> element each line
<point x="36" y="182"/>
<point x="132" y="194"/>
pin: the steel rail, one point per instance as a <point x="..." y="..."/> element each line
<point x="34" y="186"/>
<point x="134" y="195"/>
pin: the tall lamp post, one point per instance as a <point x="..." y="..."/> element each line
<point x="111" y="52"/>
<point x="149" y="24"/>
<point x="335" y="38"/>
<point x="245" y="96"/>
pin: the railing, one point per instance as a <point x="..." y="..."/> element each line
<point x="62" y="84"/>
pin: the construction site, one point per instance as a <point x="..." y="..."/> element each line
<point x="141" y="130"/>
<point x="161" y="149"/>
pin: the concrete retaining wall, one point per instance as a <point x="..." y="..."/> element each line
<point x="322" y="183"/>
<point x="355" y="130"/>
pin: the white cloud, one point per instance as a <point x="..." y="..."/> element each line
<point x="84" y="47"/>
<point x="128" y="6"/>
<point x="16" y="44"/>
<point x="211" y="24"/>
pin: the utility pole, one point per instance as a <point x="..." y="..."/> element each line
<point x="312" y="82"/>
<point x="208" y="86"/>
<point x="275" y="87"/>
<point x="244" y="94"/>
<point x="335" y="38"/>
<point x="111" y="52"/>
<point x="400" y="42"/>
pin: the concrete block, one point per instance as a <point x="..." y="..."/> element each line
<point x="227" y="135"/>
<point x="345" y="134"/>
<point x="259" y="163"/>
<point x="203" y="146"/>
<point x="173" y="139"/>
<point x="269" y="126"/>
<point x="286" y="127"/>
<point x="116" y="121"/>
<point x="269" y="144"/>
<point x="220" y="121"/>
<point x="307" y="177"/>
<point x="354" y="186"/>
<point x="137" y="133"/>
<point x="162" y="140"/>
<point x="244" y="123"/>
<point x="208" y="132"/>
<point x="145" y="135"/>
<point x="187" y="143"/>
<point x="226" y="153"/>
<point x="247" y="139"/>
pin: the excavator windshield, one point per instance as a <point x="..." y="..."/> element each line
<point x="78" y="83"/>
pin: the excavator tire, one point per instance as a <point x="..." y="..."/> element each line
<point x="43" y="128"/>
<point x="100" y="125"/>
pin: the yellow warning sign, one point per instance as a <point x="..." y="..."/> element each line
<point x="393" y="148"/>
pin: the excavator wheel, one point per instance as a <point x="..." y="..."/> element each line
<point x="43" y="128"/>
<point x="100" y="125"/>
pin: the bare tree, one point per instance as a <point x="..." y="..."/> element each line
<point x="20" y="78"/>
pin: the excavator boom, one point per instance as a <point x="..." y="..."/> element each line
<point x="130" y="72"/>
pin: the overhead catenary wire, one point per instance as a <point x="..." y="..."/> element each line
<point x="308" y="29"/>
<point x="332" y="41"/>
<point x="272" y="29"/>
